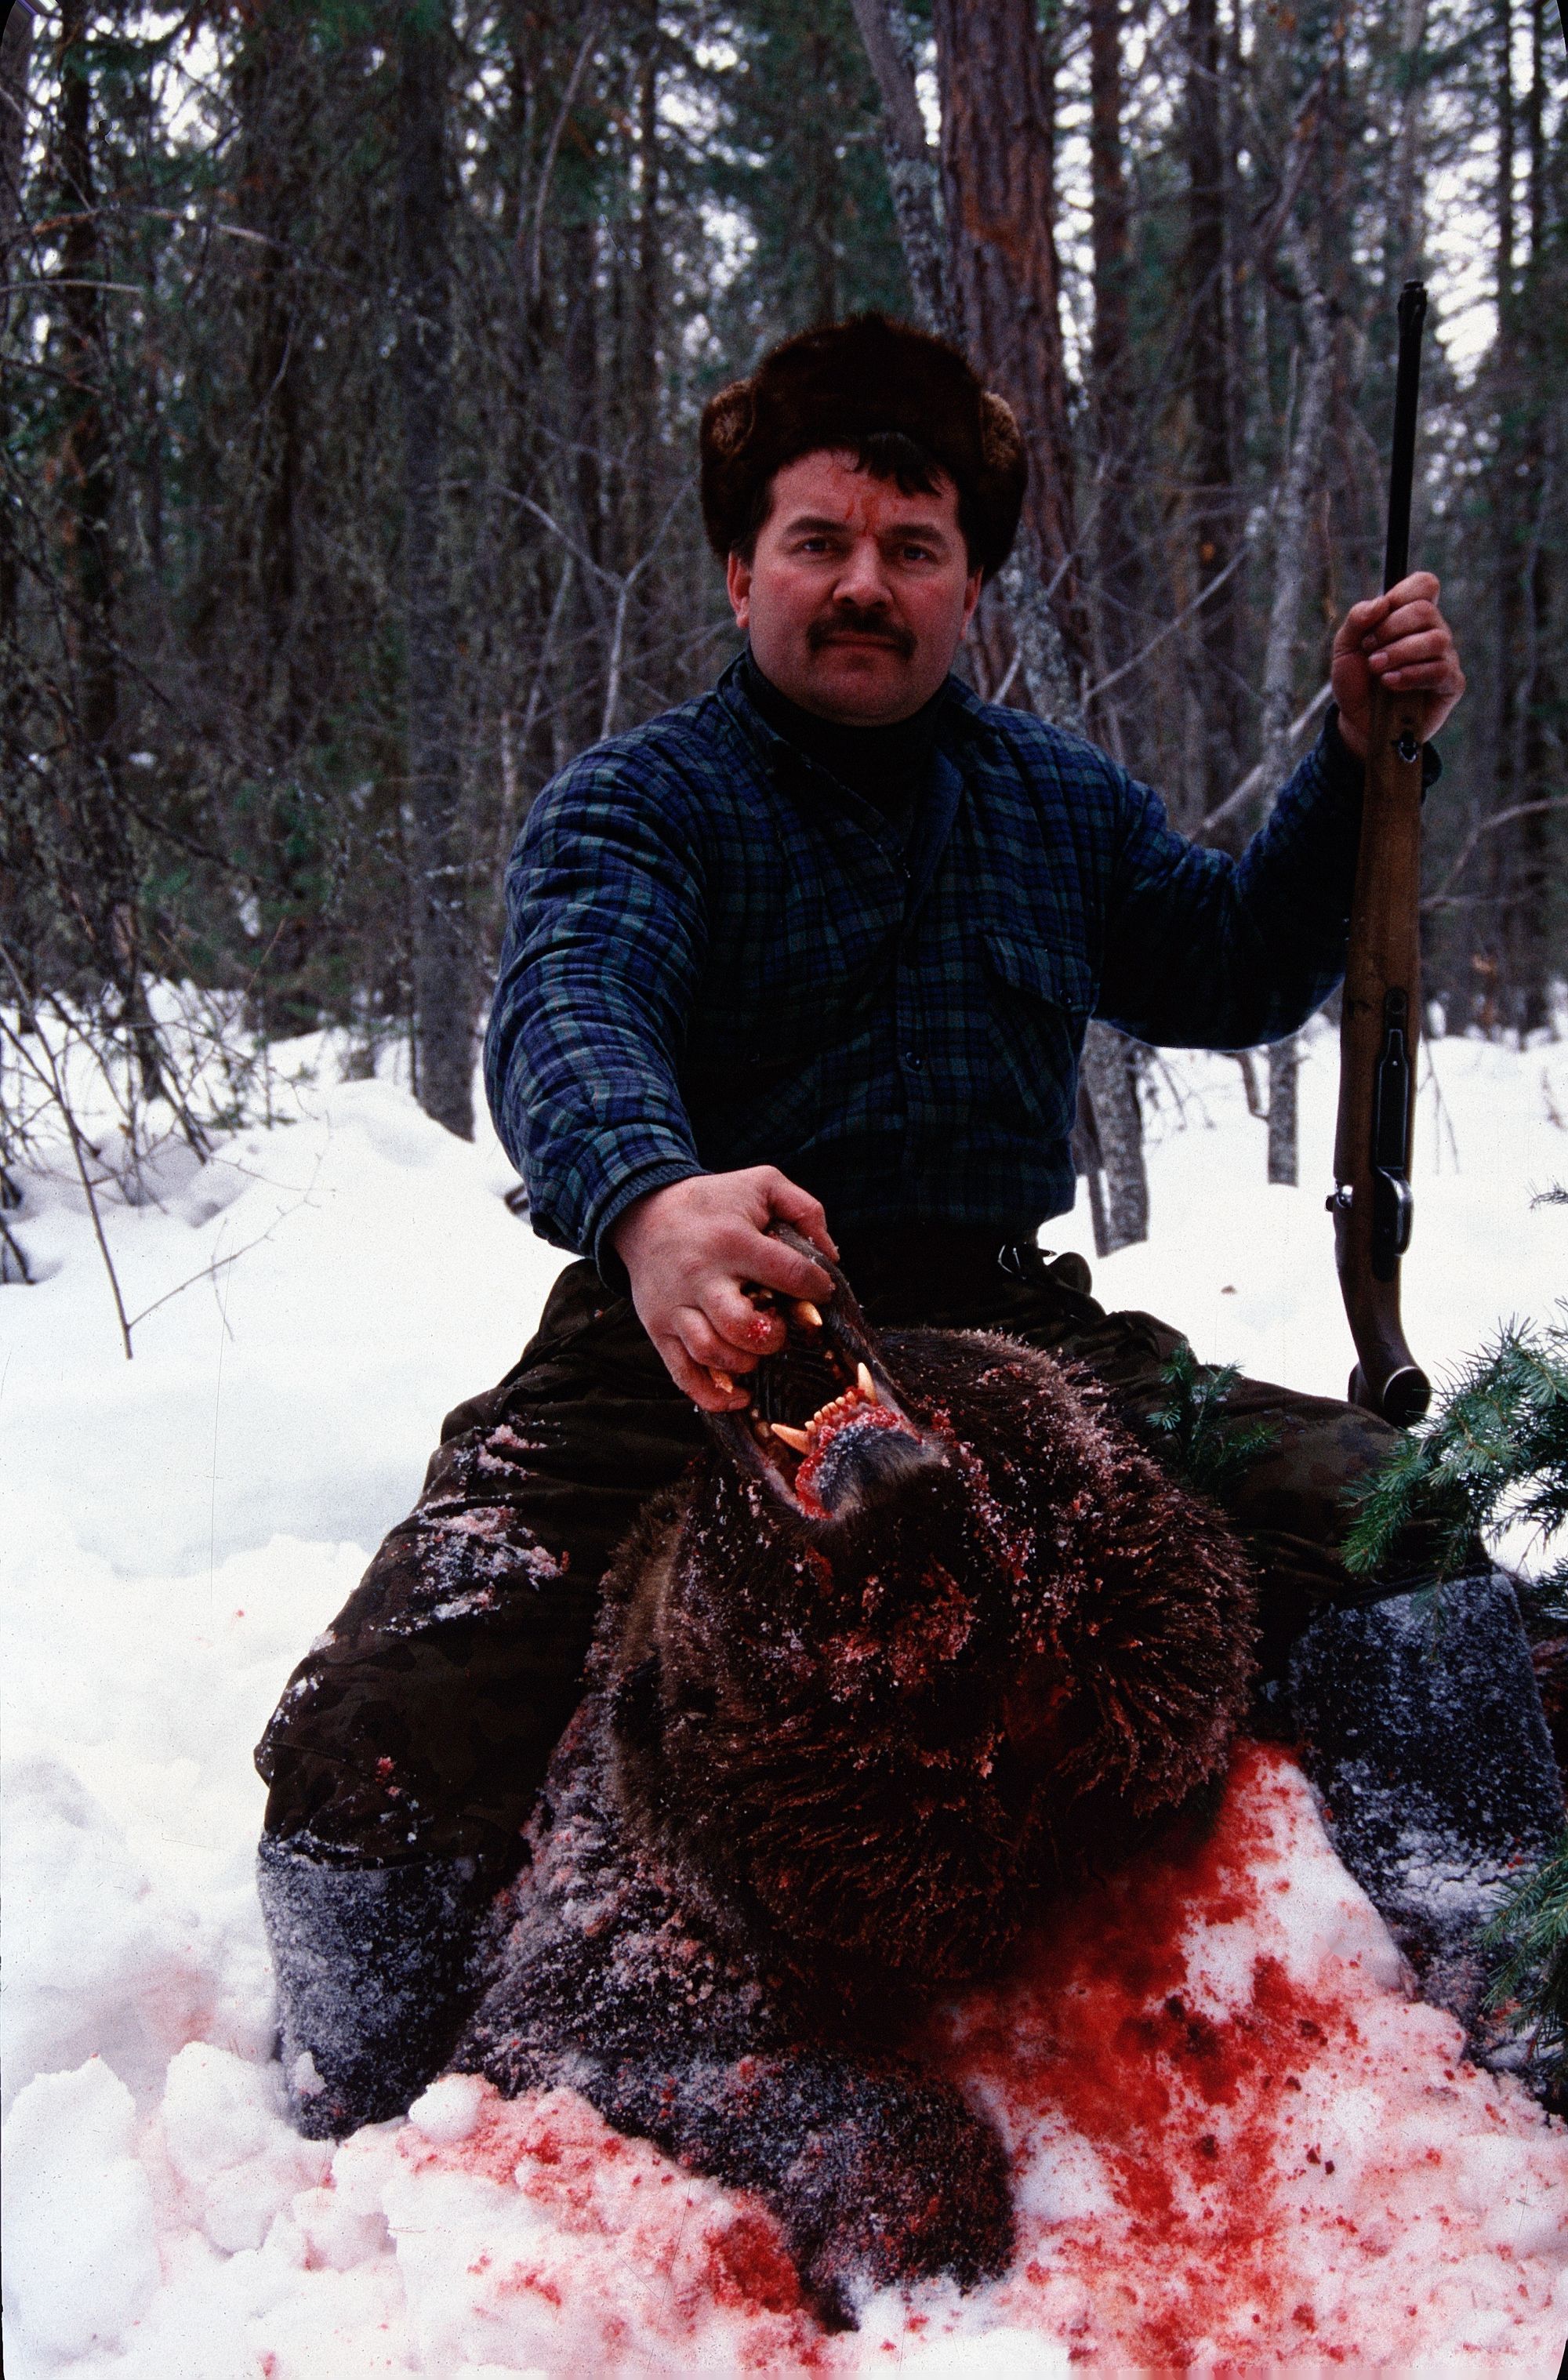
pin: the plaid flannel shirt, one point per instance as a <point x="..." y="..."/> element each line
<point x="717" y="956"/>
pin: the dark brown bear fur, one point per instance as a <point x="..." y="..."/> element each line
<point x="849" y="1719"/>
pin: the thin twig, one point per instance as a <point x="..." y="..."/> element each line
<point x="210" y="1271"/>
<point x="77" y="1147"/>
<point x="1183" y="617"/>
<point x="9" y="1240"/>
<point x="1438" y="900"/>
<point x="1255" y="779"/>
<point x="547" y="165"/>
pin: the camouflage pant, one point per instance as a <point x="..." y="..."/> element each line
<point x="421" y="1723"/>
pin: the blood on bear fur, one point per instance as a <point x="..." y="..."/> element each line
<point x="837" y="1745"/>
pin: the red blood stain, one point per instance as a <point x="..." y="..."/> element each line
<point x="1098" y="2038"/>
<point x="749" y="2266"/>
<point x="526" y="2280"/>
<point x="1096" y="2034"/>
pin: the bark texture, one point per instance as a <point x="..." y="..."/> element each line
<point x="1113" y="535"/>
<point x="1292" y="546"/>
<point x="1214" y="513"/>
<point x="16" y="47"/>
<point x="443" y="986"/>
<point x="1110" y="1140"/>
<point x="914" y="177"/>
<point x="999" y="179"/>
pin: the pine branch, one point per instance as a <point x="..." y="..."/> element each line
<point x="1206" y="1447"/>
<point x="1533" y="1980"/>
<point x="1494" y="1451"/>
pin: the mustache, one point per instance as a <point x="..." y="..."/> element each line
<point x="846" y="621"/>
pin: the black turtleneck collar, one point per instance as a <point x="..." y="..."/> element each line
<point x="889" y="767"/>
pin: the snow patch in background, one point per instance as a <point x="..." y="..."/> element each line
<point x="1236" y="2141"/>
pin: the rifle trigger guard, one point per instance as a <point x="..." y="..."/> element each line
<point x="1393" y="1216"/>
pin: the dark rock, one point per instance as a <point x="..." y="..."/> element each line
<point x="1423" y="1738"/>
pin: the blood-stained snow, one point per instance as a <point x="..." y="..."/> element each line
<point x="1237" y="2142"/>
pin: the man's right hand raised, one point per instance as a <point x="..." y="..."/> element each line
<point x="689" y="1247"/>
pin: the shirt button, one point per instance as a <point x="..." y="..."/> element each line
<point x="913" y="1058"/>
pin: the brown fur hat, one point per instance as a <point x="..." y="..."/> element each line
<point x="847" y="381"/>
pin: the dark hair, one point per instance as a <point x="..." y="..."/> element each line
<point x="903" y="404"/>
<point x="887" y="455"/>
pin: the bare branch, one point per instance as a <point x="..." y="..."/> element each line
<point x="1114" y="676"/>
<point x="1257" y="779"/>
<point x="1440" y="898"/>
<point x="552" y="149"/>
<point x="78" y="1143"/>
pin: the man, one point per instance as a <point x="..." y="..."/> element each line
<point x="820" y="945"/>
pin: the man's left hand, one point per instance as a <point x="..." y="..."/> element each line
<point x="1402" y="638"/>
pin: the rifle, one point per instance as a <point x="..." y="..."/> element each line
<point x="1380" y="1027"/>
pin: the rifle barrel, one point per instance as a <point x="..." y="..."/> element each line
<point x="1382" y="1012"/>
<point x="1407" y="398"/>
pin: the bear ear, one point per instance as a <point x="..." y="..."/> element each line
<point x="727" y="420"/>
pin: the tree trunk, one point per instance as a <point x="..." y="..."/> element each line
<point x="913" y="174"/>
<point x="1292" y="539"/>
<point x="1215" y="515"/>
<point x="1535" y="773"/>
<point x="99" y="886"/>
<point x="821" y="167"/>
<point x="1114" y="536"/>
<point x="645" y="506"/>
<point x="16" y="48"/>
<point x="1285" y="1067"/>
<point x="1515" y="500"/>
<point x="1405" y="210"/>
<point x="1032" y="621"/>
<point x="1292" y="548"/>
<point x="999" y="180"/>
<point x="444" y="991"/>
<point x="271" y="107"/>
<point x="15" y="51"/>
<point x="1107" y="1074"/>
<point x="22" y="912"/>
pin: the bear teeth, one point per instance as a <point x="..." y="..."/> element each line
<point x="804" y="1439"/>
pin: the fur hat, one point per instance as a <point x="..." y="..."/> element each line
<point x="847" y="382"/>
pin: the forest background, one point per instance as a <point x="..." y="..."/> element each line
<point x="353" y="356"/>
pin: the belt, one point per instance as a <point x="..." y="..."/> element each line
<point x="915" y="1266"/>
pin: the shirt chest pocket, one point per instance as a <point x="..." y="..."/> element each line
<point x="1037" y="1003"/>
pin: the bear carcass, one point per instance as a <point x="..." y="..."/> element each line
<point x="923" y="1634"/>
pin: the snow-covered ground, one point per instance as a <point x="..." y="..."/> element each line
<point x="1238" y="2143"/>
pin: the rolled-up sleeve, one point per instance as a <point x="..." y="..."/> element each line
<point x="1207" y="951"/>
<point x="605" y="937"/>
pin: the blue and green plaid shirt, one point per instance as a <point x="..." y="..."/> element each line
<point x="718" y="956"/>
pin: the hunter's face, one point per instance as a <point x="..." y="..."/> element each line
<point x="857" y="595"/>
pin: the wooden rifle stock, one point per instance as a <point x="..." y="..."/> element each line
<point x="1381" y="1023"/>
